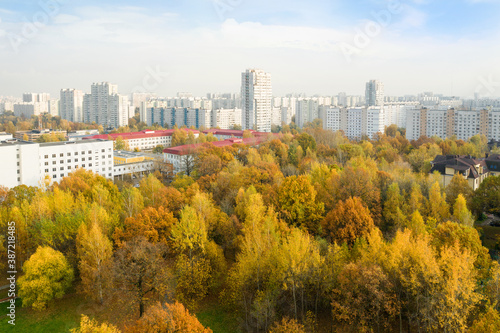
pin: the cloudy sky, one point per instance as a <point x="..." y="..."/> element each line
<point x="315" y="46"/>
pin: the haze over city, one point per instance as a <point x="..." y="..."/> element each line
<point x="201" y="46"/>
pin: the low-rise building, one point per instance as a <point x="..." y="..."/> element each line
<point x="134" y="164"/>
<point x="5" y="136"/>
<point x="144" y="140"/>
<point x="471" y="169"/>
<point x="493" y="163"/>
<point x="35" y="134"/>
<point x="182" y="157"/>
<point x="34" y="164"/>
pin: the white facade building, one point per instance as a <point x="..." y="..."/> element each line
<point x="306" y="111"/>
<point x="494" y="124"/>
<point x="374" y="94"/>
<point x="71" y="105"/>
<point x="373" y="121"/>
<point x="226" y="118"/>
<point x="105" y="106"/>
<point x="31" y="164"/>
<point x="256" y="96"/>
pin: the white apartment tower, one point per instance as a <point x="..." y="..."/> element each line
<point x="256" y="100"/>
<point x="105" y="106"/>
<point x="71" y="105"/>
<point x="374" y="93"/>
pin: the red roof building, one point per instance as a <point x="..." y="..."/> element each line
<point x="144" y="140"/>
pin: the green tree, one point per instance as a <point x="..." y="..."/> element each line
<point x="487" y="197"/>
<point x="306" y="141"/>
<point x="47" y="276"/>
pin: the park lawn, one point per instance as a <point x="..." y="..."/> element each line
<point x="212" y="315"/>
<point x="61" y="316"/>
<point x="64" y="314"/>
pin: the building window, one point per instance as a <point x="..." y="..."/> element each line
<point x="61" y="155"/>
<point x="46" y="156"/>
<point x="69" y="154"/>
<point x="53" y="155"/>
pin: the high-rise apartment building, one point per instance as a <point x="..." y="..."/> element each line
<point x="445" y="123"/>
<point x="374" y="94"/>
<point x="256" y="100"/>
<point x="105" y="106"/>
<point x="307" y="109"/>
<point x="71" y="105"/>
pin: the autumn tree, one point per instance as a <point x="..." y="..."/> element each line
<point x="298" y="205"/>
<point x="47" y="275"/>
<point x="120" y="144"/>
<point x="449" y="233"/>
<point x="94" y="251"/>
<point x="133" y="201"/>
<point x="88" y="325"/>
<point x="348" y="221"/>
<point x="458" y="185"/>
<point x="438" y="208"/>
<point x="364" y="299"/>
<point x="287" y="325"/>
<point x="302" y="265"/>
<point x="487" y="322"/>
<point x="393" y="208"/>
<point x="149" y="187"/>
<point x="460" y="212"/>
<point x="360" y="182"/>
<point x="155" y="224"/>
<point x="193" y="271"/>
<point x="169" y="318"/>
<point x="306" y="141"/>
<point x="252" y="281"/>
<point x="140" y="271"/>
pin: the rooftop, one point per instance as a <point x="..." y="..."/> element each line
<point x="459" y="162"/>
<point x="139" y="135"/>
<point x="189" y="149"/>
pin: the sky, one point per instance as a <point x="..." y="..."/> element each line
<point x="315" y="47"/>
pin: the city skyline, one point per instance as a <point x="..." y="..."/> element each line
<point x="202" y="46"/>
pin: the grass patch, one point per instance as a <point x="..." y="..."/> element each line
<point x="213" y="315"/>
<point x="61" y="317"/>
